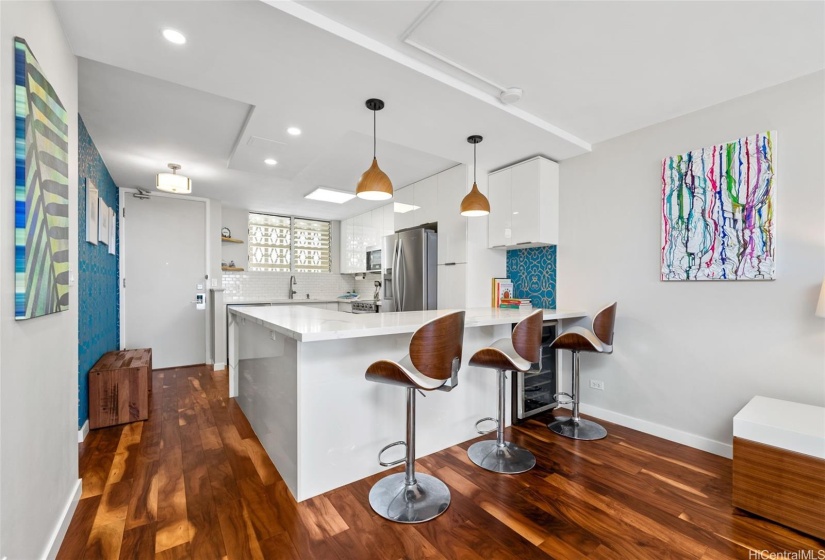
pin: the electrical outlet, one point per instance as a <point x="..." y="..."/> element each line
<point x="596" y="384"/>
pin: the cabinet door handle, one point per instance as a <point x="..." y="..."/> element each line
<point x="524" y="243"/>
<point x="497" y="246"/>
<point x="449" y="264"/>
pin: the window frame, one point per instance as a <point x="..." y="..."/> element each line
<point x="291" y="242"/>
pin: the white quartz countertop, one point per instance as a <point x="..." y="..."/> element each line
<point x="311" y="325"/>
<point x="286" y="301"/>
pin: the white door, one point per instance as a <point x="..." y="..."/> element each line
<point x="165" y="266"/>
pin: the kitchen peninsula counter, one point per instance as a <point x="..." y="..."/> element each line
<point x="311" y="325"/>
<point x="298" y="375"/>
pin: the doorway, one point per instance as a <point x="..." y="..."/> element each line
<point x="164" y="248"/>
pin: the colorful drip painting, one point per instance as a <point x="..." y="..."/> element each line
<point x="41" y="204"/>
<point x="718" y="208"/>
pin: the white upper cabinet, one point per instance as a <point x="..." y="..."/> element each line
<point x="524" y="205"/>
<point x="500" y="221"/>
<point x="404" y="196"/>
<point x="389" y="220"/>
<point x="452" y="226"/>
<point x="426" y="198"/>
<point x="348" y="255"/>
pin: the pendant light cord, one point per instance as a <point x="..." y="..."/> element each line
<point x="474" y="162"/>
<point x="374" y="141"/>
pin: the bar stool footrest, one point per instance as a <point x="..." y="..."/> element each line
<point x="488" y="419"/>
<point x="392" y="463"/>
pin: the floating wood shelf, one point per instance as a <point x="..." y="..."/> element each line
<point x="231" y="269"/>
<point x="231" y="240"/>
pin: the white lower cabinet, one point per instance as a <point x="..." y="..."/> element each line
<point x="452" y="286"/>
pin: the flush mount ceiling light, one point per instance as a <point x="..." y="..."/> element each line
<point x="401" y="208"/>
<point x="174" y="36"/>
<point x="329" y="195"/>
<point x="172" y="182"/>
<point x="293" y="131"/>
<point x="374" y="183"/>
<point x="270" y="161"/>
<point x="475" y="203"/>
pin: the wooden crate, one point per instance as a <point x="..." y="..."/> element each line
<point x="119" y="388"/>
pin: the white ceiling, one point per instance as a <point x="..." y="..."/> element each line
<point x="602" y="69"/>
<point x="593" y="69"/>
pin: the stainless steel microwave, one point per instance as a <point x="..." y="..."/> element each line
<point x="374" y="258"/>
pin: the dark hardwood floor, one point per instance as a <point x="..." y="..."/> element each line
<point x="194" y="482"/>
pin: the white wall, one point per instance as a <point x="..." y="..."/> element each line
<point x="689" y="355"/>
<point x="38" y="357"/>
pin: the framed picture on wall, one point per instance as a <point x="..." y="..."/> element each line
<point x="112" y="231"/>
<point x="91" y="212"/>
<point x="103" y="222"/>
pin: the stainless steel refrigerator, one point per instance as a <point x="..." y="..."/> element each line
<point x="411" y="271"/>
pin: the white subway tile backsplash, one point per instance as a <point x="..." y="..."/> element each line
<point x="263" y="286"/>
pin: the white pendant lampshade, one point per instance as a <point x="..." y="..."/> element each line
<point x="820" y="307"/>
<point x="172" y="182"/>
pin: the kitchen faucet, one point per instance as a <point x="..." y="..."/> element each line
<point x="292" y="282"/>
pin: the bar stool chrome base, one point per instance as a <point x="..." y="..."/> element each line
<point x="393" y="499"/>
<point x="577" y="429"/>
<point x="506" y="459"/>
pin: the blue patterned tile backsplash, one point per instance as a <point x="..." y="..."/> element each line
<point x="533" y="272"/>
<point x="98" y="289"/>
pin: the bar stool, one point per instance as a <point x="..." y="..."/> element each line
<point x="579" y="339"/>
<point x="432" y="364"/>
<point x="516" y="353"/>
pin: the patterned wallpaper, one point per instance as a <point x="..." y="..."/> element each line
<point x="98" y="283"/>
<point x="533" y="272"/>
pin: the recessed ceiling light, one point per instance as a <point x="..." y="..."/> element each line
<point x="270" y="161"/>
<point x="294" y="131"/>
<point x="329" y="195"/>
<point x="174" y="36"/>
<point x="401" y="208"/>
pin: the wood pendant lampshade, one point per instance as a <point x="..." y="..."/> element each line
<point x="475" y="203"/>
<point x="374" y="183"/>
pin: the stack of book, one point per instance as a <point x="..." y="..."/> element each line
<point x="515" y="303"/>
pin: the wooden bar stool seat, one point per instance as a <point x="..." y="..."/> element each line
<point x="516" y="353"/>
<point x="578" y="339"/>
<point x="432" y="364"/>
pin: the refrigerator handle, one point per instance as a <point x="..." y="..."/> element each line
<point x="399" y="278"/>
<point x="396" y="287"/>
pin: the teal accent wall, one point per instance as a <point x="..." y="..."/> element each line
<point x="98" y="277"/>
<point x="533" y="272"/>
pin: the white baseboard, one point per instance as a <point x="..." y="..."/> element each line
<point x="56" y="540"/>
<point x="217" y="366"/>
<point x="83" y="431"/>
<point x="658" y="430"/>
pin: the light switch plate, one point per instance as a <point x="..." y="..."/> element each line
<point x="200" y="286"/>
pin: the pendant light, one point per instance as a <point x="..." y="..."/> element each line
<point x="374" y="183"/>
<point x="172" y="182"/>
<point x="475" y="203"/>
